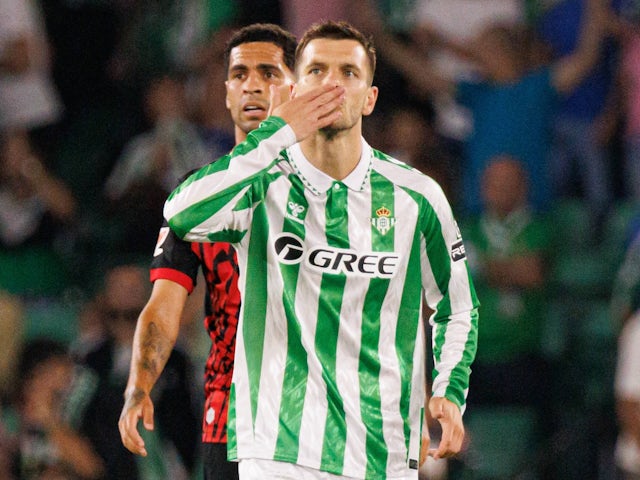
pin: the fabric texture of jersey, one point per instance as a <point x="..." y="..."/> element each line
<point x="179" y="261"/>
<point x="330" y="353"/>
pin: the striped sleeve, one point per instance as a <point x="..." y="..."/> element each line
<point x="451" y="294"/>
<point x="210" y="205"/>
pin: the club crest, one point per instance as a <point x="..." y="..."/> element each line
<point x="383" y="221"/>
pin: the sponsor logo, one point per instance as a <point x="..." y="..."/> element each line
<point x="162" y="236"/>
<point x="290" y="250"/>
<point x="384" y="221"/>
<point x="457" y="251"/>
<point x="413" y="464"/>
<point x="294" y="210"/>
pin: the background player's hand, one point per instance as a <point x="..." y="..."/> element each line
<point x="449" y="416"/>
<point x="137" y="406"/>
<point x="310" y="111"/>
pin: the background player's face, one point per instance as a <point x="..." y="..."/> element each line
<point x="253" y="67"/>
<point x="339" y="62"/>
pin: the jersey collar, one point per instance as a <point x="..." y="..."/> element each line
<point x="319" y="182"/>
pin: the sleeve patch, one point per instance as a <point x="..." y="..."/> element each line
<point x="457" y="251"/>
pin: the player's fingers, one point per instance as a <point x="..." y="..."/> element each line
<point x="319" y="94"/>
<point x="147" y="416"/>
<point x="327" y="109"/>
<point x="275" y="99"/>
<point x="286" y="92"/>
<point x="320" y="101"/>
<point x="451" y="441"/>
<point x="129" y="435"/>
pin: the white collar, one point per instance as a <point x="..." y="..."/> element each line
<point x="318" y="181"/>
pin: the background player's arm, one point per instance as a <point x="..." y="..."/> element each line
<point x="156" y="334"/>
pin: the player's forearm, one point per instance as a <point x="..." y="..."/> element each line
<point x="454" y="351"/>
<point x="205" y="201"/>
<point x="153" y="342"/>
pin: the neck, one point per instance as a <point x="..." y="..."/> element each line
<point x="336" y="154"/>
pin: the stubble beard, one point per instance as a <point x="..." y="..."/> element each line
<point x="329" y="133"/>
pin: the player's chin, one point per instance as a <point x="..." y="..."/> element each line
<point x="250" y="125"/>
<point x="256" y="116"/>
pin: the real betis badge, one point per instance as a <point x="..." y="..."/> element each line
<point x="384" y="221"/>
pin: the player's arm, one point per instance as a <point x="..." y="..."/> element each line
<point x="451" y="295"/>
<point x="207" y="200"/>
<point x="154" y="339"/>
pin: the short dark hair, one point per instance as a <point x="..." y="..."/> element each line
<point x="338" y="31"/>
<point x="264" y="32"/>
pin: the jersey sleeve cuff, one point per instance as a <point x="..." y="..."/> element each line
<point x="175" y="276"/>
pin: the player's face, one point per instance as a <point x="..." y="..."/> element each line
<point x="344" y="63"/>
<point x="253" y="67"/>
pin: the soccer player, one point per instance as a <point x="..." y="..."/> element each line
<point x="257" y="56"/>
<point x="337" y="243"/>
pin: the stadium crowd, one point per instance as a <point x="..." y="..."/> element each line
<point x="527" y="112"/>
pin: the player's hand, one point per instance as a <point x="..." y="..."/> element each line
<point x="310" y="111"/>
<point x="137" y="406"/>
<point x="449" y="416"/>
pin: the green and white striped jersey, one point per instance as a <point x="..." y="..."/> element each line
<point x="330" y="354"/>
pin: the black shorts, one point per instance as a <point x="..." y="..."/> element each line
<point x="216" y="465"/>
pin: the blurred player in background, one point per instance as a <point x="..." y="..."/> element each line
<point x="256" y="57"/>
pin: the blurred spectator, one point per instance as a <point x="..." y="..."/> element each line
<point x="627" y="108"/>
<point x="29" y="103"/>
<point x="627" y="394"/>
<point x="91" y="329"/>
<point x="11" y="332"/>
<point x="626" y="287"/>
<point x="8" y="449"/>
<point x="625" y="313"/>
<point x="508" y="248"/>
<point x="163" y="36"/>
<point x="35" y="209"/>
<point x="580" y="163"/>
<point x="458" y="21"/>
<point x="409" y="136"/>
<point x="82" y="35"/>
<point x="49" y="448"/>
<point x="298" y="15"/>
<point x="206" y="97"/>
<point x="152" y="163"/>
<point x="98" y="399"/>
<point x="512" y="102"/>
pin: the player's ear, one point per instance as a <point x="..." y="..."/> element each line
<point x="370" y="101"/>
<point x="226" y="97"/>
